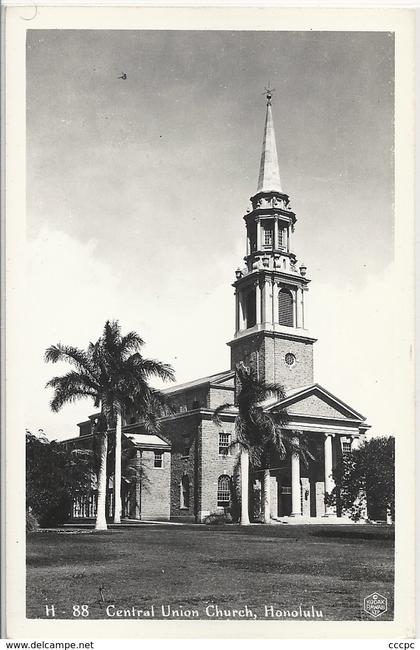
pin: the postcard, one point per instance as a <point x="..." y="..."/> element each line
<point x="209" y="298"/>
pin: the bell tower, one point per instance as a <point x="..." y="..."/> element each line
<point x="270" y="318"/>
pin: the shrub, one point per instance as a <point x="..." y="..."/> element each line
<point x="31" y="522"/>
<point x="54" y="475"/>
<point x="365" y="480"/>
<point x="218" y="519"/>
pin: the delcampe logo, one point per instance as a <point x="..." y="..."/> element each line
<point x="375" y="604"/>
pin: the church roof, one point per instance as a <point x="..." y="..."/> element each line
<point x="218" y="378"/>
<point x="299" y="394"/>
<point x="269" y="178"/>
<point x="147" y="440"/>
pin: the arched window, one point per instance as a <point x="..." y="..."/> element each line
<point x="251" y="312"/>
<point x="285" y="308"/>
<point x="185" y="492"/>
<point x="223" y="491"/>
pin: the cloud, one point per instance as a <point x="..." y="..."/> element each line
<point x="356" y="351"/>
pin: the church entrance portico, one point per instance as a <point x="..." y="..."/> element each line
<point x="299" y="486"/>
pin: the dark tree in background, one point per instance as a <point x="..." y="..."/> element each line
<point x="365" y="480"/>
<point x="54" y="475"/>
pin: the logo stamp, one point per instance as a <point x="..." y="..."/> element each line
<point x="375" y="604"/>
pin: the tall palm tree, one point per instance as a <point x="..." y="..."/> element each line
<point x="129" y="373"/>
<point x="258" y="433"/>
<point x="114" y="375"/>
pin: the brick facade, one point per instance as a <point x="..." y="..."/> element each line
<point x="184" y="432"/>
<point x="155" y="486"/>
<point x="266" y="352"/>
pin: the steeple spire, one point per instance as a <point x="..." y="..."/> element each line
<point x="269" y="178"/>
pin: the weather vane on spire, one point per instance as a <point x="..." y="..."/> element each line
<point x="268" y="92"/>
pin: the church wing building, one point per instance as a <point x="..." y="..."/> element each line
<point x="191" y="471"/>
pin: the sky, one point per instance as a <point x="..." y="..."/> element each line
<point x="136" y="191"/>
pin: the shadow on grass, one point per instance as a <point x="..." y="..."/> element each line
<point x="380" y="533"/>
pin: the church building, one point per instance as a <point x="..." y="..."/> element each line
<point x="190" y="470"/>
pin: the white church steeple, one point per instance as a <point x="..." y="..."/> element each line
<point x="269" y="178"/>
<point x="271" y="316"/>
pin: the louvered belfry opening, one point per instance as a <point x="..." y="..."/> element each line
<point x="251" y="310"/>
<point x="285" y="308"/>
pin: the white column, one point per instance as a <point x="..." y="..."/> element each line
<point x="268" y="303"/>
<point x="275" y="315"/>
<point x="328" y="467"/>
<point x="276" y="233"/>
<point x="258" y="235"/>
<point x="258" y="294"/>
<point x="237" y="325"/>
<point x="241" y="311"/>
<point x="298" y="308"/>
<point x="302" y="294"/>
<point x="296" y="503"/>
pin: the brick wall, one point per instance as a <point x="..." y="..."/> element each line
<point x="266" y="353"/>
<point x="155" y="486"/>
<point x="183" y="433"/>
<point x="213" y="465"/>
<point x="219" y="396"/>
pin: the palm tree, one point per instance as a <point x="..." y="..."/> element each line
<point x="114" y="375"/>
<point x="258" y="433"/>
<point x="129" y="373"/>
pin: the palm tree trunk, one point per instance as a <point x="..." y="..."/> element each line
<point x="102" y="484"/>
<point x="117" y="472"/>
<point x="244" y="487"/>
<point x="266" y="497"/>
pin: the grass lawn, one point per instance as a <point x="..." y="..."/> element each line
<point x="191" y="567"/>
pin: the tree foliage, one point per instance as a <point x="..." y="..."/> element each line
<point x="365" y="480"/>
<point x="54" y="475"/>
<point x="115" y="375"/>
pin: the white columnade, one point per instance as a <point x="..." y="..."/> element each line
<point x="328" y="468"/>
<point x="296" y="503"/>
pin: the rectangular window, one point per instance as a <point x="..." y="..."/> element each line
<point x="281" y="238"/>
<point x="224" y="443"/>
<point x="268" y="237"/>
<point x="346" y="447"/>
<point x="223" y="491"/>
<point x="158" y="459"/>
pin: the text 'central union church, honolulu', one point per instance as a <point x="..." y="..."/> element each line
<point x="188" y="471"/>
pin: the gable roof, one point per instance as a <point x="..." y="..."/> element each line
<point x="147" y="440"/>
<point x="218" y="378"/>
<point x="299" y="395"/>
